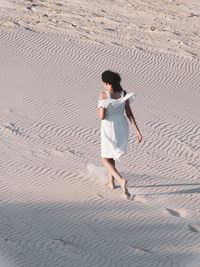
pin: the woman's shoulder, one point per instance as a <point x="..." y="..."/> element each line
<point x="103" y="96"/>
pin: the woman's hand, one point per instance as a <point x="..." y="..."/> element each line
<point x="139" y="137"/>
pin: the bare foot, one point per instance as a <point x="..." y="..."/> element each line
<point x="110" y="186"/>
<point x="123" y="186"/>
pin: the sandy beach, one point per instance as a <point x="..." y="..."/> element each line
<point x="54" y="205"/>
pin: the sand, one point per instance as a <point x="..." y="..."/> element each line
<point x="55" y="209"/>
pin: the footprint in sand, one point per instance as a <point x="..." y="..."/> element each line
<point x="140" y="199"/>
<point x="194" y="228"/>
<point x="176" y="212"/>
<point x="142" y="250"/>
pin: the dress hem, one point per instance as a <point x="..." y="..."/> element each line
<point x="114" y="156"/>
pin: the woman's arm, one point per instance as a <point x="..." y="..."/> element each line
<point x="101" y="110"/>
<point x="130" y="116"/>
<point x="101" y="113"/>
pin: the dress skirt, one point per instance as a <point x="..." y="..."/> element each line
<point x="114" y="136"/>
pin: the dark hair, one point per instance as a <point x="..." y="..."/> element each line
<point x="112" y="78"/>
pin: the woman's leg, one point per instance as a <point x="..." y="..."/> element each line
<point x="112" y="170"/>
<point x="111" y="183"/>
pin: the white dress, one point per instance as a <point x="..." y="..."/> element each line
<point x="114" y="127"/>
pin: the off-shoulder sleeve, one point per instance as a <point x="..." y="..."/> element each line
<point x="130" y="96"/>
<point x="118" y="102"/>
<point x="103" y="103"/>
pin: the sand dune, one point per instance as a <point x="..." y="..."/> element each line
<point x="55" y="209"/>
<point x="161" y="26"/>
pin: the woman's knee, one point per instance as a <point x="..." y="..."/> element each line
<point x="104" y="159"/>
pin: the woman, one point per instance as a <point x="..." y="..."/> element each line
<point x="114" y="126"/>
